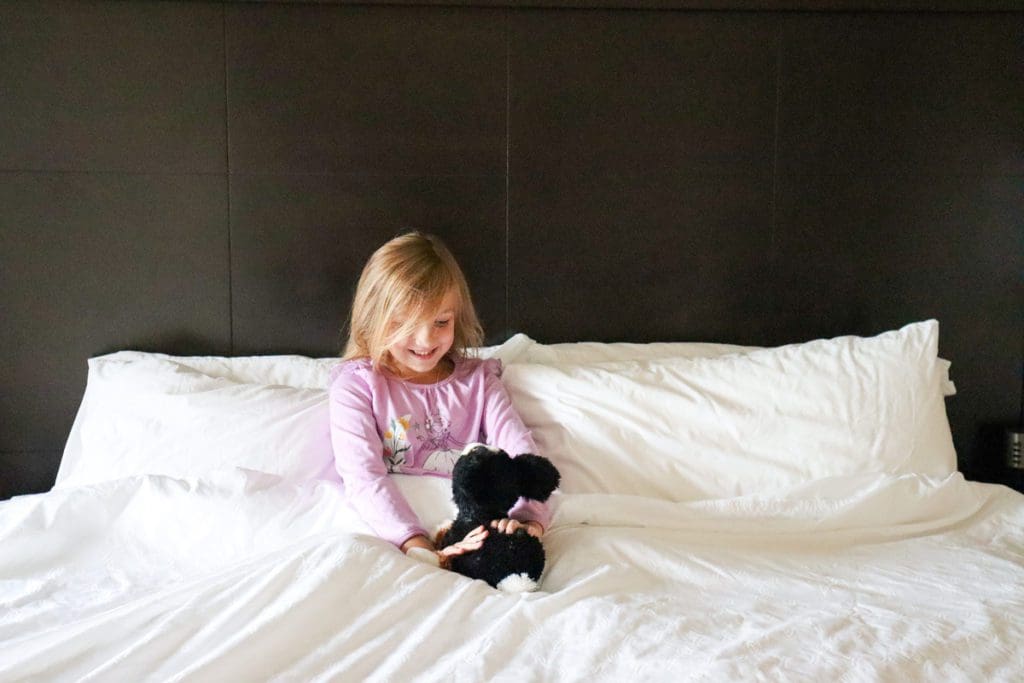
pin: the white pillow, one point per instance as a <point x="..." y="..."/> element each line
<point x="521" y="349"/>
<point x="285" y="370"/>
<point x="142" y="384"/>
<point x="269" y="379"/>
<point x="289" y="370"/>
<point x="764" y="420"/>
<point x="150" y="415"/>
<point x="579" y="353"/>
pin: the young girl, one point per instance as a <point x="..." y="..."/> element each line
<point x="407" y="399"/>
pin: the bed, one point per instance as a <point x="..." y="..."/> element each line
<point x="726" y="513"/>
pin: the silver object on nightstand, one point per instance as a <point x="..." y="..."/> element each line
<point x="1014" y="449"/>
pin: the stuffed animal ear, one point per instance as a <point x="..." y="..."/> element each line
<point x="538" y="478"/>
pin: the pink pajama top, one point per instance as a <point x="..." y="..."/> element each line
<point x="381" y="424"/>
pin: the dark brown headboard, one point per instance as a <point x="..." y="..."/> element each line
<point x="208" y="178"/>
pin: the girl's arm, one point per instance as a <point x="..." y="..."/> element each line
<point x="358" y="458"/>
<point x="502" y="427"/>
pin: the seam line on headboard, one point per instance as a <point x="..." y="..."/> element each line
<point x="773" y="257"/>
<point x="227" y="173"/>
<point x="508" y="174"/>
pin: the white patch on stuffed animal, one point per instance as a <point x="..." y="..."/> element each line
<point x="486" y="483"/>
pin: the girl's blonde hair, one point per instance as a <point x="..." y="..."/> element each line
<point x="405" y="281"/>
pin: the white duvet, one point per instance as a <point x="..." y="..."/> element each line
<point x="241" y="576"/>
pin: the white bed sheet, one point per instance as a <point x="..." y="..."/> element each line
<point x="241" y="576"/>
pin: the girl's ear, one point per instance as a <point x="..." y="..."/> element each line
<point x="538" y="478"/>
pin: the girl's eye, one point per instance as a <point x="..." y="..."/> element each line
<point x="441" y="323"/>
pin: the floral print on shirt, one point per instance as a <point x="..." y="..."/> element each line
<point x="396" y="442"/>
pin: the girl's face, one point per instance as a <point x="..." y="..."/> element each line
<point x="417" y="355"/>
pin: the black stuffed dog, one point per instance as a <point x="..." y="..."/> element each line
<point x="486" y="483"/>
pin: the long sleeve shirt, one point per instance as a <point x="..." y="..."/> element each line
<point x="381" y="424"/>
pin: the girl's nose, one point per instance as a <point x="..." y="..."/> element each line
<point x="425" y="334"/>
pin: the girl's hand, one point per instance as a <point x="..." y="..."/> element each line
<point x="420" y="548"/>
<point x="507" y="526"/>
<point x="417" y="542"/>
<point x="473" y="540"/>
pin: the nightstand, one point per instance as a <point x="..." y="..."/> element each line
<point x="1013" y="458"/>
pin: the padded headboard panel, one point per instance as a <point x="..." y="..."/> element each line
<point x="209" y="177"/>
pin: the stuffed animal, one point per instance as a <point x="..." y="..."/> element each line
<point x="486" y="483"/>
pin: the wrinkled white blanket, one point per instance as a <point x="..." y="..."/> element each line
<point x="241" y="577"/>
